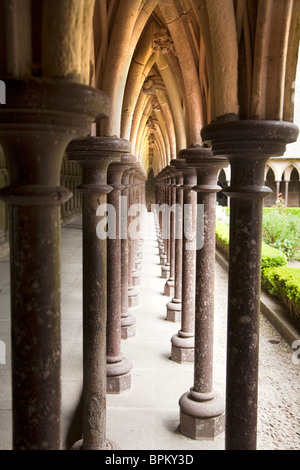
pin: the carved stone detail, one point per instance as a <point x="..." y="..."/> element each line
<point x="163" y="42"/>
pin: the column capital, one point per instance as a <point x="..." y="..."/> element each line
<point x="249" y="137"/>
<point x="206" y="165"/>
<point x="117" y="169"/>
<point x="249" y="143"/>
<point x="39" y="120"/>
<point x="163" y="42"/>
<point x="95" y="154"/>
<point x="126" y="174"/>
<point x="179" y="166"/>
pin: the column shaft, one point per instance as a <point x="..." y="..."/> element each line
<point x="94" y="326"/>
<point x="94" y="154"/>
<point x="247" y="145"/>
<point x="202" y="409"/>
<point x="128" y="327"/>
<point x="118" y="366"/>
<point x="34" y="134"/>
<point x="183" y="341"/>
<point x="174" y="307"/>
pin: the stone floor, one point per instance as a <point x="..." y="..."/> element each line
<point x="147" y="416"/>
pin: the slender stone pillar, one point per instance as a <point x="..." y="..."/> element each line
<point x="165" y="270"/>
<point x="247" y="145"/>
<point x="95" y="154"/>
<point x="39" y="120"/>
<point x="128" y="321"/>
<point x="174" y="306"/>
<point x="170" y="283"/>
<point x="118" y="366"/>
<point x="277" y="189"/>
<point x="183" y="341"/>
<point x="138" y="242"/>
<point x="161" y="218"/>
<point x="158" y="215"/>
<point x="133" y="295"/>
<point x="286" y="194"/>
<point x="202" y="408"/>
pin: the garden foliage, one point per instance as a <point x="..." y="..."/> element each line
<point x="281" y="230"/>
<point x="277" y="278"/>
<point x="284" y="282"/>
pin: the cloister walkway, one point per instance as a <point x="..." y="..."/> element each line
<point x="147" y="416"/>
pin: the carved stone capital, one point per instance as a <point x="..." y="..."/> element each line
<point x="149" y="87"/>
<point x="163" y="42"/>
<point x="155" y="104"/>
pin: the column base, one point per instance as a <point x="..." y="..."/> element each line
<point x="133" y="298"/>
<point x="128" y="326"/>
<point x="165" y="272"/>
<point x="136" y="278"/>
<point x="110" y="445"/>
<point x="201" y="415"/>
<point x="138" y="265"/>
<point x="163" y="259"/>
<point x="169" y="288"/>
<point x="118" y="375"/>
<point x="174" y="310"/>
<point x="183" y="348"/>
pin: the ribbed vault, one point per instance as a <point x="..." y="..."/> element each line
<point x="169" y="67"/>
<point x="172" y="66"/>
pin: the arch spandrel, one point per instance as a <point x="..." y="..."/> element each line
<point x="289" y="170"/>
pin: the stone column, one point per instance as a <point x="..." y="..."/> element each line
<point x="133" y="296"/>
<point x="95" y="154"/>
<point x="165" y="270"/>
<point x="143" y="209"/>
<point x="277" y="189"/>
<point x="161" y="220"/>
<point x="137" y="265"/>
<point x="158" y="216"/>
<point x="118" y="366"/>
<point x="174" y="306"/>
<point x="247" y="145"/>
<point x="39" y="120"/>
<point x="128" y="321"/>
<point x="170" y="283"/>
<point x="202" y="408"/>
<point x="183" y="341"/>
<point x="286" y="194"/>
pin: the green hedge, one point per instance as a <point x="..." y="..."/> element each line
<point x="269" y="257"/>
<point x="222" y="238"/>
<point x="284" y="282"/>
<point x="287" y="210"/>
<point x="277" y="278"/>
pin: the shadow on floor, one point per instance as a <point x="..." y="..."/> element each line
<point x="74" y="433"/>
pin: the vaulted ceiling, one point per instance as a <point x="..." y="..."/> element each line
<point x="169" y="67"/>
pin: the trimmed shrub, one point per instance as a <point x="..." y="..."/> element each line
<point x="277" y="278"/>
<point x="269" y="257"/>
<point x="222" y="238"/>
<point x="284" y="282"/>
<point x="281" y="230"/>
